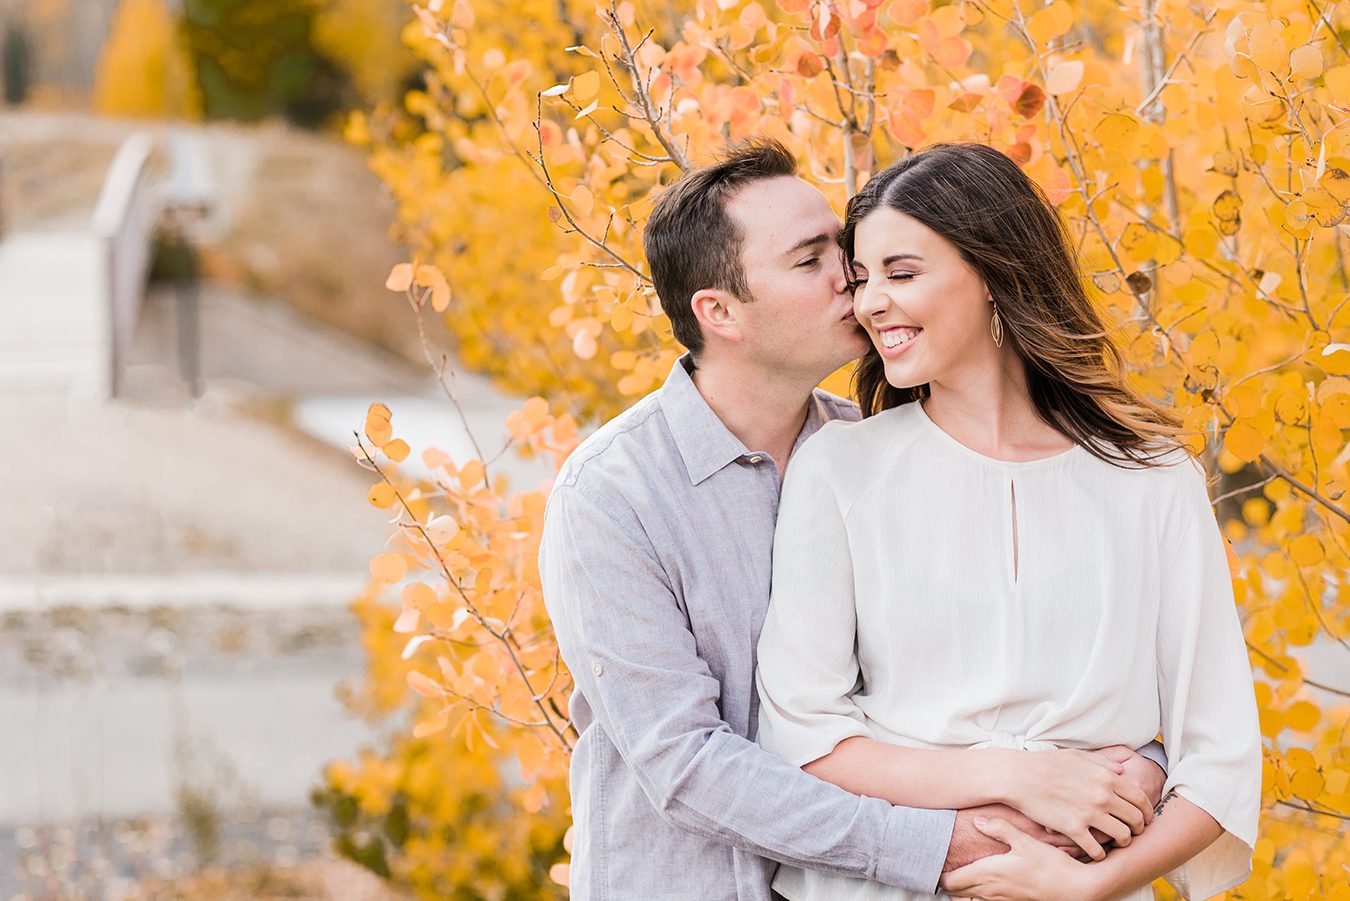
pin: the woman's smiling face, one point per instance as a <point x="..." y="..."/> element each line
<point x="925" y="309"/>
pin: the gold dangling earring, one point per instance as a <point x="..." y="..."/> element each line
<point x="996" y="328"/>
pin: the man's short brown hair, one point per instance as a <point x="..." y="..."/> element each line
<point x="692" y="244"/>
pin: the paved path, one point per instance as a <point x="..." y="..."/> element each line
<point x="50" y="320"/>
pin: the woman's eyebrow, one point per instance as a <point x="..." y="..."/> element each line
<point x="896" y="258"/>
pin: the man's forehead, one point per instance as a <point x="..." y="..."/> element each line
<point x="782" y="212"/>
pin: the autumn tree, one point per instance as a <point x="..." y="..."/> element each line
<point x="1199" y="153"/>
<point x="144" y="69"/>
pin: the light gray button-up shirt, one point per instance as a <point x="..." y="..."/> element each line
<point x="656" y="561"/>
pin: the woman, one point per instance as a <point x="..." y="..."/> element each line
<point x="1010" y="551"/>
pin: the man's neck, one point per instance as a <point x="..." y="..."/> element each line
<point x="766" y="411"/>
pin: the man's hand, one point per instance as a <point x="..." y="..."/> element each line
<point x="1143" y="772"/>
<point x="1030" y="871"/>
<point x="969" y="844"/>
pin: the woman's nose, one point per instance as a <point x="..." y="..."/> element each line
<point x="867" y="303"/>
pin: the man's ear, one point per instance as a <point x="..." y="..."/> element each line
<point x="715" y="311"/>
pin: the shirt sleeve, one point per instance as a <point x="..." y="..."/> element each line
<point x="1208" y="705"/>
<point x="627" y="643"/>
<point x="808" y="665"/>
<point x="1155" y="752"/>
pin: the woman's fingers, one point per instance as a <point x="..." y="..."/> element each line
<point x="1101" y="760"/>
<point x="1118" y="831"/>
<point x="1004" y="831"/>
<point x="1136" y="798"/>
<point x="1089" y="844"/>
<point x="1126" y="813"/>
<point x="962" y="881"/>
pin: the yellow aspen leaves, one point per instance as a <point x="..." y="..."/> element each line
<point x="1204" y="349"/>
<point x="419" y="595"/>
<point x="1306" y="550"/>
<point x="432" y="277"/>
<point x="431" y="726"/>
<point x="400" y="277"/>
<point x="1139" y="242"/>
<point x="1117" y="131"/>
<point x="472" y="473"/>
<point x="1267" y="49"/>
<point x="1050" y="22"/>
<point x="1305" y="62"/>
<point x="1207" y="194"/>
<point x="1228" y="212"/>
<point x="407" y="620"/>
<point x="382" y="496"/>
<point x="1338" y="81"/>
<point x="585" y="88"/>
<point x="582" y="200"/>
<point x="1336" y="182"/>
<point x="424" y="685"/>
<point x="1244" y="441"/>
<point x="378" y="426"/>
<point x="1065" y="77"/>
<point x="388" y="567"/>
<point x="396" y="450"/>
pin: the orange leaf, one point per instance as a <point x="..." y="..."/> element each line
<point x="472" y="474"/>
<point x="419" y="595"/>
<point x="382" y="496"/>
<point x="407" y="620"/>
<point x="423" y="685"/>
<point x="585" y="87"/>
<point x="388" y="567"/>
<point x="432" y="277"/>
<point x="1065" y="77"/>
<point x="400" y="277"/>
<point x="1244" y="441"/>
<point x="431" y="726"/>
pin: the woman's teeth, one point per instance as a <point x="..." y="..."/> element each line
<point x="896" y="337"/>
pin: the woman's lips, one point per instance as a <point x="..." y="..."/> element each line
<point x="894" y="341"/>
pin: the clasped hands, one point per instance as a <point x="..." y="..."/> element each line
<point x="1064" y="808"/>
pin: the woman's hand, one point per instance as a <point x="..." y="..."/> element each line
<point x="1139" y="769"/>
<point x="1031" y="871"/>
<point x="970" y="844"/>
<point x="1074" y="792"/>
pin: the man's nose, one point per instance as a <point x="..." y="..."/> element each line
<point x="839" y="276"/>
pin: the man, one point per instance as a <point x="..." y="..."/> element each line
<point x="656" y="561"/>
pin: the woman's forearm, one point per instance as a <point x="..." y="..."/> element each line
<point x="1178" y="832"/>
<point x="917" y="777"/>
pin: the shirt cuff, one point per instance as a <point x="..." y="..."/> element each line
<point x="1155" y="752"/>
<point x="914" y="847"/>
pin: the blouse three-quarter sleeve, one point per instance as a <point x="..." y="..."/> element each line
<point x="1209" y="720"/>
<point x="808" y="668"/>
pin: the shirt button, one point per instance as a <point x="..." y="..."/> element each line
<point x="597" y="669"/>
<point x="757" y="459"/>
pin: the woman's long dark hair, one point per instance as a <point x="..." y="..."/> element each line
<point x="1013" y="237"/>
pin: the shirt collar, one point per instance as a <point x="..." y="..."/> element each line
<point x="705" y="444"/>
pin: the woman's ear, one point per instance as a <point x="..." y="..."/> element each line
<point x="715" y="311"/>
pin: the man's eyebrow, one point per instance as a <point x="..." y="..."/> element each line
<point x="821" y="238"/>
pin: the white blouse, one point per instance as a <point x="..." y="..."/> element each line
<point x="929" y="596"/>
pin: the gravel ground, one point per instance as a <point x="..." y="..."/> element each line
<point x="156" y="744"/>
